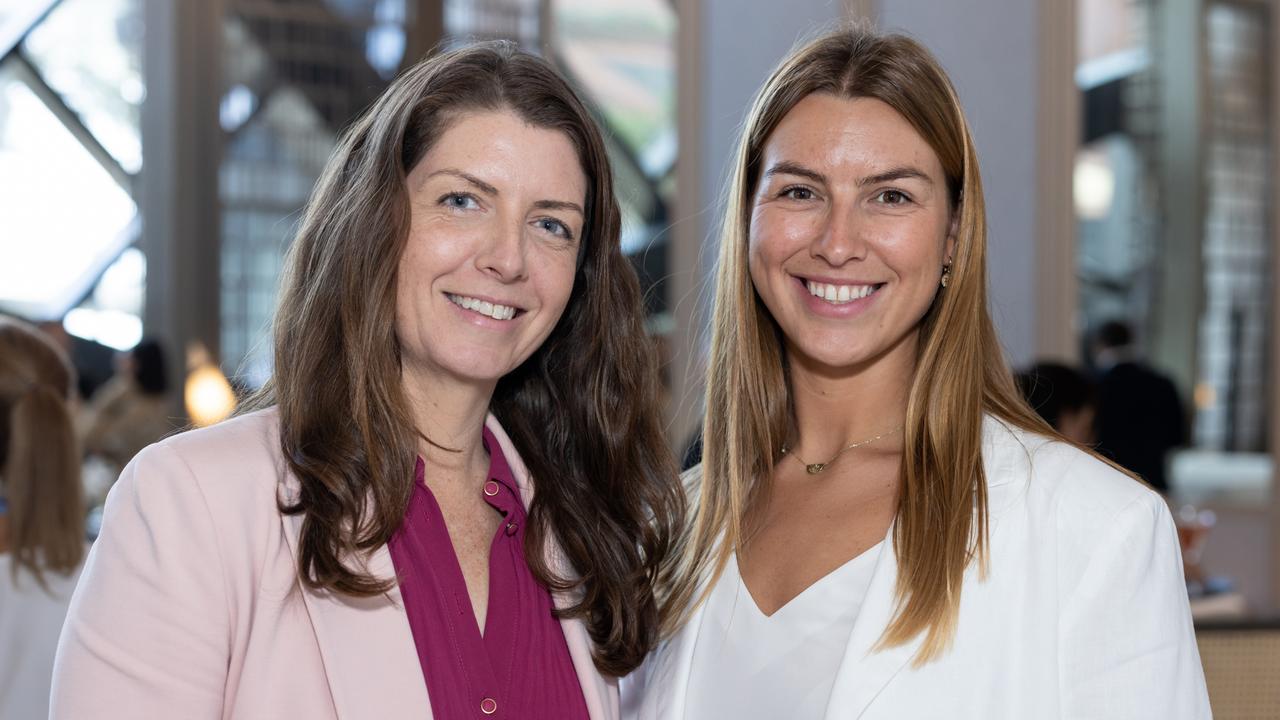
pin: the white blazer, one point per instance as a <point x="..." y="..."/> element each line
<point x="1084" y="613"/>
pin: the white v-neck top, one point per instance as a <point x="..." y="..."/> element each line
<point x="749" y="666"/>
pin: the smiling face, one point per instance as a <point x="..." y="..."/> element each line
<point x="850" y="228"/>
<point x="496" y="218"/>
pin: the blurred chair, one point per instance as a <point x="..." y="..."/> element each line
<point x="1242" y="668"/>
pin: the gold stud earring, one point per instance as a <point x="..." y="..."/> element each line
<point x="946" y="274"/>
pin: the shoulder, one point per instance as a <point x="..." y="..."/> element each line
<point x="1054" y="476"/>
<point x="1046" y="493"/>
<point x="244" y="439"/>
<point x="233" y="463"/>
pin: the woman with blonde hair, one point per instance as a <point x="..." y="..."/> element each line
<point x="42" y="532"/>
<point x="883" y="528"/>
<point x="455" y="493"/>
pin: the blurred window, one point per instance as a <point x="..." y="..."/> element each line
<point x="88" y="51"/>
<point x="70" y="94"/>
<point x="1137" y="104"/>
<point x="623" y="53"/>
<point x="620" y="55"/>
<point x="296" y="73"/>
<point x="65" y="217"/>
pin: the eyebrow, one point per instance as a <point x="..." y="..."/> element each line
<point x="560" y="205"/>
<point x="480" y="185"/>
<point x="786" y="167"/>
<point x="899" y="173"/>
<point x="488" y="189"/>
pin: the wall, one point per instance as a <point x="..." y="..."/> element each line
<point x="990" y="51"/>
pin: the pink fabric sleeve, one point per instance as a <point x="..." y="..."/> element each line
<point x="148" y="631"/>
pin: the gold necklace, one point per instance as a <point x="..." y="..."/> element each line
<point x="815" y="468"/>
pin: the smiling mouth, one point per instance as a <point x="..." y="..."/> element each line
<point x="484" y="307"/>
<point x="840" y="294"/>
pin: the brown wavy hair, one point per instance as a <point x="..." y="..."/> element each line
<point x="961" y="375"/>
<point x="582" y="410"/>
<point x="39" y="455"/>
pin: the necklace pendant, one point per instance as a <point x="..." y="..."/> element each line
<point x="815" y="468"/>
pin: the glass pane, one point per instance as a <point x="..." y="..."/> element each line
<point x="623" y="53"/>
<point x="1234" y="337"/>
<point x="89" y="51"/>
<point x="16" y="17"/>
<point x="64" y="217"/>
<point x="269" y="167"/>
<point x="469" y="20"/>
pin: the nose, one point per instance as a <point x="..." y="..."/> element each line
<point x="841" y="238"/>
<point x="503" y="257"/>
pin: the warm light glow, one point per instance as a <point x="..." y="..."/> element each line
<point x="1094" y="185"/>
<point x="208" y="396"/>
<point x="1205" y="396"/>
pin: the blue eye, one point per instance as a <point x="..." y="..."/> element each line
<point x="460" y="201"/>
<point x="893" y="197"/>
<point x="555" y="227"/>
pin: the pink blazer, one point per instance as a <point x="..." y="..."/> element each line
<point x="189" y="605"/>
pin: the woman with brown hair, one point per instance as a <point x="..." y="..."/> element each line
<point x="458" y="327"/>
<point x="42" y="532"/>
<point x="883" y="528"/>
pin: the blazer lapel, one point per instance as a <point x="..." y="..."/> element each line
<point x="599" y="692"/>
<point x="666" y="682"/>
<point x="865" y="670"/>
<point x="369" y="655"/>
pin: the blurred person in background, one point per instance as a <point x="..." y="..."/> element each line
<point x="1064" y="397"/>
<point x="1140" y="417"/>
<point x="91" y="360"/>
<point x="453" y="495"/>
<point x="42" y="537"/>
<point x="131" y="410"/>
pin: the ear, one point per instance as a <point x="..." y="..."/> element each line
<point x="949" y="248"/>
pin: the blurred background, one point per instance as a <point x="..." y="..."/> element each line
<point x="155" y="155"/>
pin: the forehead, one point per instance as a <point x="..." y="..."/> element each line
<point x="500" y="148"/>
<point x="855" y="135"/>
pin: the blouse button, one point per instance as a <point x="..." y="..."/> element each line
<point x="488" y="706"/>
<point x="511" y="528"/>
<point x="491" y="488"/>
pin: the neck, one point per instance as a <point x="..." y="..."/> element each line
<point x="450" y="412"/>
<point x="835" y="407"/>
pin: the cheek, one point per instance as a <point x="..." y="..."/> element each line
<point x="556" y="272"/>
<point x="914" y="251"/>
<point x="780" y="233"/>
<point x="407" y="284"/>
<point x="772" y="238"/>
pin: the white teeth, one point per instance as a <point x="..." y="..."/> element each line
<point x="497" y="312"/>
<point x="839" y="294"/>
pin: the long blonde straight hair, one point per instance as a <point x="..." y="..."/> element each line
<point x="941" y="521"/>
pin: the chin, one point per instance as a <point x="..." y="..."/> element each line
<point x="480" y="371"/>
<point x="842" y="362"/>
<point x="467" y="365"/>
<point x="837" y="353"/>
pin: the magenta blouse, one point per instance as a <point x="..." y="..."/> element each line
<point x="520" y="667"/>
